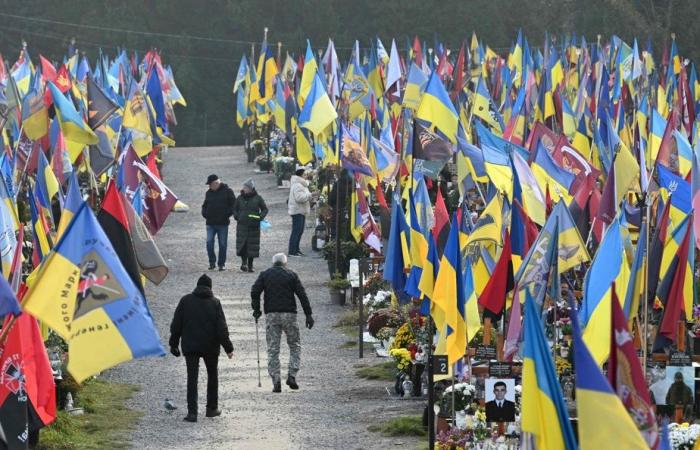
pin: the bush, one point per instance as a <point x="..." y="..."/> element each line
<point x="338" y="282"/>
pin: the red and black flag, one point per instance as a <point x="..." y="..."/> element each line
<point x="493" y="297"/>
<point x="27" y="390"/>
<point x="656" y="251"/>
<point x="113" y="219"/>
<point x="671" y="293"/>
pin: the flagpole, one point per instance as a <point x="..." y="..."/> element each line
<point x="431" y="387"/>
<point x="645" y="279"/>
<point x="6" y="330"/>
<point x="454" y="413"/>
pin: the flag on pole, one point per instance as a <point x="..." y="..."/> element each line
<point x="544" y="411"/>
<point x="84" y="294"/>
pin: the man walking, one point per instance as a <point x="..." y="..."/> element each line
<point x="200" y="322"/>
<point x="249" y="211"/>
<point x="280" y="284"/>
<point x="298" y="206"/>
<point x="217" y="209"/>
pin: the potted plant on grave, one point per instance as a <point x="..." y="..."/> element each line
<point x="283" y="168"/>
<point x="263" y="163"/>
<point x="337" y="286"/>
<point x="348" y="250"/>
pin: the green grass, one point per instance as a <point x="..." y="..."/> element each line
<point x="105" y="423"/>
<point x="400" y="426"/>
<point x="385" y="371"/>
<point x="348" y="319"/>
<point x="349" y="344"/>
<point x="349" y="331"/>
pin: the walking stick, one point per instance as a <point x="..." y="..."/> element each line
<point x="257" y="344"/>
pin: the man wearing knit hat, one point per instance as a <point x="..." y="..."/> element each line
<point x="200" y="323"/>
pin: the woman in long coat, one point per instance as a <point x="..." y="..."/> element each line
<point x="248" y="211"/>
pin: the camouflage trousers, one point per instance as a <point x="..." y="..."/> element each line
<point x="275" y="324"/>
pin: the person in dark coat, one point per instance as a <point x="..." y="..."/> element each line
<point x="249" y="211"/>
<point x="280" y="285"/>
<point x="342" y="189"/>
<point x="217" y="209"/>
<point x="200" y="324"/>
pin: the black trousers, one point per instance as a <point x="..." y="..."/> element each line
<point x="211" y="362"/>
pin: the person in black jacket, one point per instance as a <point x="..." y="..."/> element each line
<point x="249" y="211"/>
<point x="200" y="323"/>
<point x="280" y="284"/>
<point x="217" y="209"/>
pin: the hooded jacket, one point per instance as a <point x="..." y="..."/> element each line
<point x="299" y="196"/>
<point x="200" y="322"/>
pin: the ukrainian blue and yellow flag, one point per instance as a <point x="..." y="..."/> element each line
<point x="431" y="268"/>
<point x="35" y="116"/>
<point x="302" y="146"/>
<point x="679" y="191"/>
<point x="544" y="412"/>
<point x="418" y="249"/>
<point x="609" y="266"/>
<point x="489" y="227"/>
<point x="22" y="75"/>
<point x="484" y="107"/>
<point x="437" y="108"/>
<point x="415" y="83"/>
<point x="84" y="294"/>
<point x="72" y="124"/>
<point x="471" y="300"/>
<point x="656" y="135"/>
<point x="603" y="421"/>
<point x="46" y="185"/>
<point x="548" y="173"/>
<point x="635" y="288"/>
<point x="71" y="205"/>
<point x="448" y="296"/>
<point x="397" y="256"/>
<point x="318" y="111"/>
<point x="241" y="74"/>
<point x="685" y="153"/>
<point x="308" y="75"/>
<point x="241" y="108"/>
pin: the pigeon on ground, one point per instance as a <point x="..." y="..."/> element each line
<point x="169" y="405"/>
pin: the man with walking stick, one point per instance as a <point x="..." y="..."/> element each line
<point x="280" y="285"/>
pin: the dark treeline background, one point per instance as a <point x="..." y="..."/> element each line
<point x="203" y="40"/>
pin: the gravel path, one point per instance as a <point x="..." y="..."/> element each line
<point x="331" y="410"/>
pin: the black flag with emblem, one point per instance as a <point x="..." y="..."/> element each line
<point x="100" y="106"/>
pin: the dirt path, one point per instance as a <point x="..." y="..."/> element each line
<point x="331" y="410"/>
